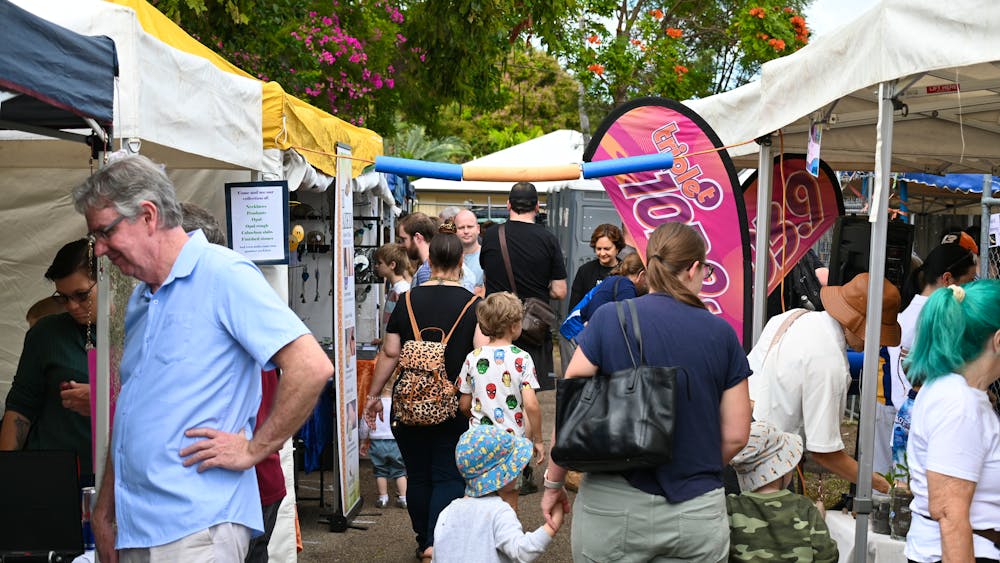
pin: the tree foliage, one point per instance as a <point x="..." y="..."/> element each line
<point x="622" y="49"/>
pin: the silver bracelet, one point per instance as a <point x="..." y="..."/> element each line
<point x="551" y="484"/>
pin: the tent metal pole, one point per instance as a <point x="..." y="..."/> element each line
<point x="984" y="227"/>
<point x="102" y="406"/>
<point x="762" y="243"/>
<point x="879" y="218"/>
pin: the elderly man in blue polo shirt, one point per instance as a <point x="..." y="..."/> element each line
<point x="199" y="328"/>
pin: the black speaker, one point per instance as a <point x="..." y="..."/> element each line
<point x="852" y="243"/>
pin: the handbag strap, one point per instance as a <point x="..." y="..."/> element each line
<point x="614" y="289"/>
<point x="444" y="337"/>
<point x="502" y="233"/>
<point x="620" y="307"/>
<point x="784" y="327"/>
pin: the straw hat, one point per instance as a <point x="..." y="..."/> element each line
<point x="848" y="304"/>
<point x="768" y="456"/>
<point x="489" y="458"/>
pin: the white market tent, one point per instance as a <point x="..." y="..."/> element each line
<point x="180" y="104"/>
<point x="911" y="85"/>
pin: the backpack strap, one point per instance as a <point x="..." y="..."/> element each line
<point x="459" y="319"/>
<point x="413" y="320"/>
<point x="502" y="233"/>
<point x="614" y="289"/>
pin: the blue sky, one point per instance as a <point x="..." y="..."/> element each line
<point x="825" y="16"/>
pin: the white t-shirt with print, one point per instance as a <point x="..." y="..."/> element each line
<point x="954" y="432"/>
<point x="907" y="320"/>
<point x="494" y="376"/>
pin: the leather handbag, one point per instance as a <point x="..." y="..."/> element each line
<point x="539" y="318"/>
<point x="619" y="421"/>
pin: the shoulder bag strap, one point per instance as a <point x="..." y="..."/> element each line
<point x="784" y="327"/>
<point x="459" y="319"/>
<point x="413" y="320"/>
<point x="620" y="307"/>
<point x="502" y="233"/>
<point x="614" y="289"/>
<point x="635" y="328"/>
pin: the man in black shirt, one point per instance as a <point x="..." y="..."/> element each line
<point x="537" y="262"/>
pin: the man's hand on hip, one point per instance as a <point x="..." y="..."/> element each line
<point x="218" y="449"/>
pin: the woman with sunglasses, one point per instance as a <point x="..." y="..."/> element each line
<point x="676" y="511"/>
<point x="48" y="407"/>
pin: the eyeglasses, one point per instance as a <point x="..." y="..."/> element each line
<point x="105" y="233"/>
<point x="79" y="297"/>
<point x="708" y="270"/>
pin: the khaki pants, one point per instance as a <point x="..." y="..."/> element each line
<point x="222" y="543"/>
<point x="614" y="521"/>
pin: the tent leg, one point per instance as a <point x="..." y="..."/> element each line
<point x="879" y="218"/>
<point x="762" y="244"/>
<point x="984" y="227"/>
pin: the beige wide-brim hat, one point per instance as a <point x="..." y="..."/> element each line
<point x="768" y="456"/>
<point x="848" y="304"/>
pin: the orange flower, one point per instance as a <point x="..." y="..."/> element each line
<point x="594" y="39"/>
<point x="674" y="33"/>
<point x="758" y="12"/>
<point x="797" y="20"/>
<point x="636" y="42"/>
<point x="680" y="70"/>
<point x="657" y="14"/>
<point x="778" y="44"/>
<point x="789" y="10"/>
<point x="596" y="68"/>
<point x="763" y="36"/>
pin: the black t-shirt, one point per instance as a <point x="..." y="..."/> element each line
<point x="535" y="258"/>
<point x="438" y="306"/>
<point x="586" y="278"/>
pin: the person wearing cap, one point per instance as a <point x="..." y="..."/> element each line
<point x="481" y="526"/>
<point x="537" y="263"/>
<point x="768" y="521"/>
<point x="954" y="446"/>
<point x="801" y="375"/>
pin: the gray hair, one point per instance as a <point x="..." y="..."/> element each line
<point x="448" y="213"/>
<point x="197" y="217"/>
<point x="124" y="184"/>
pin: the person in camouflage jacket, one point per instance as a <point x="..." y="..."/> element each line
<point x="768" y="522"/>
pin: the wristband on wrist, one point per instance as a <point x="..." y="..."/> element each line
<point x="551" y="484"/>
<point x="372" y="397"/>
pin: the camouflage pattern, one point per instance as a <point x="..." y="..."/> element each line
<point x="781" y="526"/>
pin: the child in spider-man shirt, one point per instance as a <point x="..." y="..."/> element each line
<point x="498" y="380"/>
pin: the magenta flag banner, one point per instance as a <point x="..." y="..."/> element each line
<point x="697" y="190"/>
<point x="803" y="208"/>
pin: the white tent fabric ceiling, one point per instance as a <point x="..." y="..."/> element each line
<point x="945" y="57"/>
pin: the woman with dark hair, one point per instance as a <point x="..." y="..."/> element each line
<point x="627" y="280"/>
<point x="954" y="446"/>
<point x="48" y="406"/>
<point x="948" y="264"/>
<point x="607" y="241"/>
<point x="676" y="511"/>
<point x="429" y="451"/>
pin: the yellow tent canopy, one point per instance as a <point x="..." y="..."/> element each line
<point x="288" y="122"/>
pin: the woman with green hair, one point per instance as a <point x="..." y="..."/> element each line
<point x="954" y="444"/>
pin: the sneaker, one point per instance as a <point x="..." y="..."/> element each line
<point x="400" y="502"/>
<point x="381" y="503"/>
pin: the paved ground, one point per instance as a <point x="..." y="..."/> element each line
<point x="389" y="536"/>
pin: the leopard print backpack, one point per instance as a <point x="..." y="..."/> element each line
<point x="423" y="394"/>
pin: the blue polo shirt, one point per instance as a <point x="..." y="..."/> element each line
<point x="676" y="334"/>
<point x="193" y="355"/>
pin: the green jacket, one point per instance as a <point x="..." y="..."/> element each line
<point x="777" y="527"/>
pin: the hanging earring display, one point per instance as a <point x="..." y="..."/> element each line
<point x="316" y="274"/>
<point x="305" y="278"/>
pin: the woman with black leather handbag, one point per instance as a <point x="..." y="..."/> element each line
<point x="671" y="506"/>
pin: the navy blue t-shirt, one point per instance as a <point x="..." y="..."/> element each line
<point x="677" y="335"/>
<point x="613" y="288"/>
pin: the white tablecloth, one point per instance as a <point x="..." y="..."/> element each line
<point x="881" y="547"/>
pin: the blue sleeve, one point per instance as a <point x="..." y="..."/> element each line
<point x="422" y="275"/>
<point x="250" y="310"/>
